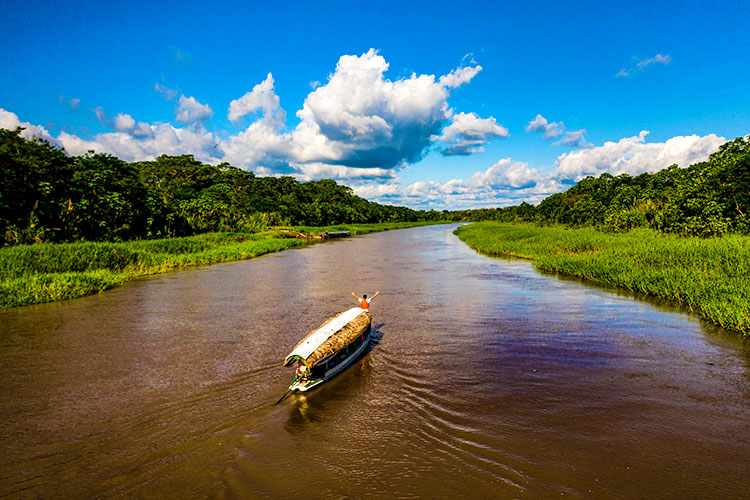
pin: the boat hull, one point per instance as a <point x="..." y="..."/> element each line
<point x="305" y="384"/>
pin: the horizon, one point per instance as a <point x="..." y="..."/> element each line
<point x="504" y="104"/>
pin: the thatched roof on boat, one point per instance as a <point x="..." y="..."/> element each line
<point x="331" y="336"/>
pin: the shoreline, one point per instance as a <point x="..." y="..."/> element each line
<point x="701" y="275"/>
<point x="51" y="272"/>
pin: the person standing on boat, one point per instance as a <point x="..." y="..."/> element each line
<point x="364" y="302"/>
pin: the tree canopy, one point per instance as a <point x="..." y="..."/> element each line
<point x="46" y="195"/>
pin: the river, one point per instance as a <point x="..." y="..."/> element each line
<point x="485" y="379"/>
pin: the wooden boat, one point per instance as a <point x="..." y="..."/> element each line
<point x="327" y="350"/>
<point x="337" y="234"/>
<point x="334" y="234"/>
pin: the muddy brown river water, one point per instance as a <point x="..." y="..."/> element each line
<point x="486" y="379"/>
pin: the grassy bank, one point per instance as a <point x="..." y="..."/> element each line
<point x="33" y="274"/>
<point x="708" y="276"/>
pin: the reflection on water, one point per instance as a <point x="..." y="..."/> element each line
<point x="313" y="407"/>
<point x="484" y="379"/>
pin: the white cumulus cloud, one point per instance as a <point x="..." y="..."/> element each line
<point x="124" y="122"/>
<point x="10" y="121"/>
<point x="380" y="191"/>
<point x="262" y="97"/>
<point x="350" y="175"/>
<point x="191" y="111"/>
<point x="549" y="130"/>
<point x="506" y="174"/>
<point x="260" y="147"/>
<point x="362" y="120"/>
<point x="507" y="182"/>
<point x="633" y="156"/>
<point x="467" y="133"/>
<point x="162" y="139"/>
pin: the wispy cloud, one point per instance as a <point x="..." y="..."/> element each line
<point x="168" y="94"/>
<point x="182" y="56"/>
<point x="72" y="104"/>
<point x="459" y="76"/>
<point x="468" y="60"/>
<point x="657" y="59"/>
<point x="639" y="65"/>
<point x="574" y="139"/>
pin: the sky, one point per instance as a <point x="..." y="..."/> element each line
<point x="431" y="105"/>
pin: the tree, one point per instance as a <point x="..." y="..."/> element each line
<point x="33" y="174"/>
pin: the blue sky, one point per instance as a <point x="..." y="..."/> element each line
<point x="425" y="104"/>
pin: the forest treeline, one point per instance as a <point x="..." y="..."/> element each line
<point x="47" y="195"/>
<point x="709" y="198"/>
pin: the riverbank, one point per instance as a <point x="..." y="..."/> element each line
<point x="707" y="276"/>
<point x="48" y="272"/>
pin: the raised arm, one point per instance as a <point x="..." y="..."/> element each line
<point x="355" y="296"/>
<point x="376" y="294"/>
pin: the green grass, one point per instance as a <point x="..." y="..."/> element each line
<point x="33" y="274"/>
<point x="710" y="277"/>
